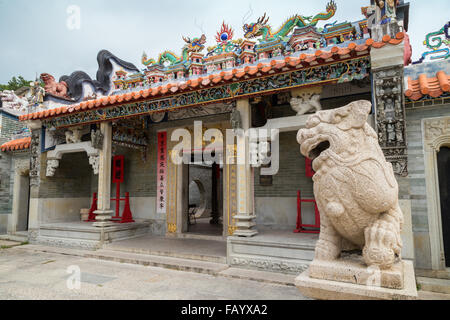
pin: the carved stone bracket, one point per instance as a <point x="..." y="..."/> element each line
<point x="391" y="116"/>
<point x="53" y="157"/>
<point x="94" y="161"/>
<point x="51" y="167"/>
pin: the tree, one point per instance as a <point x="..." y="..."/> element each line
<point x="15" y="83"/>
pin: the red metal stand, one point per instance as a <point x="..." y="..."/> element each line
<point x="118" y="178"/>
<point x="117" y="199"/>
<point x="127" y="216"/>
<point x="91" y="217"/>
<point x="300" y="226"/>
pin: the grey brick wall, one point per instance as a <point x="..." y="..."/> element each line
<point x="9" y="126"/>
<point x="140" y="176"/>
<point x="6" y="183"/>
<point x="291" y="176"/>
<point x="72" y="178"/>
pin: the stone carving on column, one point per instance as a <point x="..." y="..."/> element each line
<point x="357" y="196"/>
<point x="35" y="151"/>
<point x="94" y="161"/>
<point x="52" y="165"/>
<point x="391" y="117"/>
<point x="236" y="120"/>
<point x="97" y="139"/>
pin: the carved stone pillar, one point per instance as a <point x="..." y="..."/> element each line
<point x="245" y="219"/>
<point x="104" y="213"/>
<point x="389" y="102"/>
<point x="35" y="168"/>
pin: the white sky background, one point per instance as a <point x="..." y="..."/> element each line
<point x="34" y="37"/>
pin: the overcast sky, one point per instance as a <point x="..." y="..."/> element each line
<point x="34" y="37"/>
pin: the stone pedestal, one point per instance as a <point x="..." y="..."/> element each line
<point x="349" y="279"/>
<point x="352" y="269"/>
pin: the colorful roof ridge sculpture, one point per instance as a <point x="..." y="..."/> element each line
<point x="435" y="42"/>
<point x="262" y="28"/>
<point x="274" y="66"/>
<point x="192" y="45"/>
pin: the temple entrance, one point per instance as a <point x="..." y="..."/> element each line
<point x="23" y="203"/>
<point x="444" y="190"/>
<point x="205" y="199"/>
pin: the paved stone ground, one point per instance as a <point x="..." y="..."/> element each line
<point x="44" y="276"/>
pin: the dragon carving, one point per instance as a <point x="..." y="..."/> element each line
<point x="354" y="185"/>
<point x="192" y="45"/>
<point x="261" y="27"/>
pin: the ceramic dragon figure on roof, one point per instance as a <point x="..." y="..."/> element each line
<point x="192" y="45"/>
<point x="262" y="28"/>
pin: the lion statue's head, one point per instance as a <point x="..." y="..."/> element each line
<point x="338" y="134"/>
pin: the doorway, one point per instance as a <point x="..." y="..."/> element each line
<point x="443" y="159"/>
<point x="205" y="194"/>
<point x="23" y="203"/>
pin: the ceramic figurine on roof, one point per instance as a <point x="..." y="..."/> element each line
<point x="224" y="55"/>
<point x="387" y="10"/>
<point x="261" y="27"/>
<point x="57" y="89"/>
<point x="225" y="42"/>
<point x="192" y="45"/>
<point x="11" y="103"/>
<point x="37" y="93"/>
<point x="436" y="42"/>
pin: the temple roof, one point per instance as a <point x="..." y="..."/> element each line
<point x="16" y="145"/>
<point x="428" y="86"/>
<point x="273" y="66"/>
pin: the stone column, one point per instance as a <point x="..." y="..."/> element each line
<point x="104" y="212"/>
<point x="245" y="218"/>
<point x="35" y="174"/>
<point x="389" y="102"/>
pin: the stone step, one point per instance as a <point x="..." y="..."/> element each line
<point x="221" y="270"/>
<point x="260" y="276"/>
<point x="434" y="285"/>
<point x="154" y="252"/>
<point x="16" y="237"/>
<point x="52" y="249"/>
<point x="172" y="263"/>
<point x="427" y="295"/>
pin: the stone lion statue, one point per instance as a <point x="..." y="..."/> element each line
<point x="354" y="185"/>
<point x="306" y="102"/>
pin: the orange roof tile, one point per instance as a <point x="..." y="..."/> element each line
<point x="423" y="86"/>
<point x="304" y="60"/>
<point x="18" y="144"/>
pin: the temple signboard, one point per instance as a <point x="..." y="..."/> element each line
<point x="161" y="198"/>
